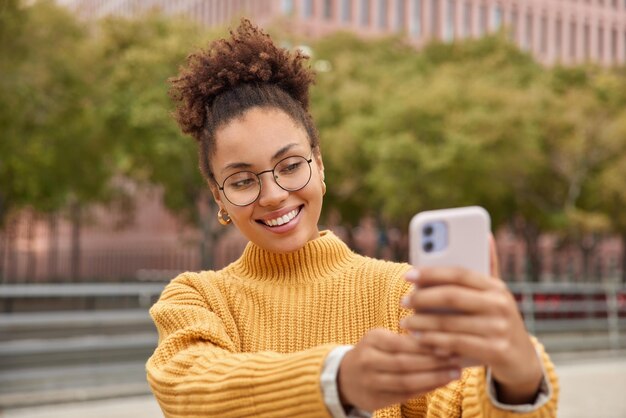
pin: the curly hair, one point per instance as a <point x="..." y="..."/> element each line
<point x="234" y="75"/>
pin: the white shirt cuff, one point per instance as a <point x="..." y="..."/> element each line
<point x="329" y="385"/>
<point x="543" y="396"/>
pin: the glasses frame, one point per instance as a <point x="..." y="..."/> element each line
<point x="260" y="182"/>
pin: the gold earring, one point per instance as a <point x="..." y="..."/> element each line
<point x="323" y="188"/>
<point x="223" y="218"/>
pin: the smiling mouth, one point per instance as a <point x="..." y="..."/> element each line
<point x="281" y="220"/>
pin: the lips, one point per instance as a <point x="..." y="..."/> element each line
<point x="281" y="220"/>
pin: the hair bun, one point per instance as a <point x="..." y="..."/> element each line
<point x="248" y="57"/>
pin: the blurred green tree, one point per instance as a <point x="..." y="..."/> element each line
<point x="85" y="112"/>
<point x="424" y="129"/>
<point x="137" y="56"/>
<point x="472" y="122"/>
<point x="602" y="197"/>
<point x="452" y="125"/>
<point x="46" y="104"/>
<point x="53" y="148"/>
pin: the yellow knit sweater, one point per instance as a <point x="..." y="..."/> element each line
<point x="251" y="339"/>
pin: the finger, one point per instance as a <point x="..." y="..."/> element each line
<point x="437" y="276"/>
<point x="426" y="350"/>
<point x="391" y="343"/>
<point x="463" y="324"/>
<point x="416" y="383"/>
<point x="468" y="362"/>
<point x="494" y="267"/>
<point x="448" y="297"/>
<point x="412" y="363"/>
<point x="466" y="346"/>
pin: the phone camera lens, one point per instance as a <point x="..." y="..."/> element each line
<point x="428" y="246"/>
<point x="428" y="230"/>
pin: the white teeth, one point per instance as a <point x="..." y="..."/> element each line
<point x="283" y="219"/>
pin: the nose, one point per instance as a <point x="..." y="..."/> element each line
<point x="271" y="193"/>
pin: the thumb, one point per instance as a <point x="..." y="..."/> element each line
<point x="494" y="267"/>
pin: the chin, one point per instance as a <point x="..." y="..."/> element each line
<point x="288" y="244"/>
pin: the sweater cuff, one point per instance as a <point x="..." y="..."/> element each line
<point x="543" y="396"/>
<point x="479" y="398"/>
<point x="330" y="390"/>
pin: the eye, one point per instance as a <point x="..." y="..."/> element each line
<point x="289" y="166"/>
<point x="241" y="181"/>
<point x="241" y="184"/>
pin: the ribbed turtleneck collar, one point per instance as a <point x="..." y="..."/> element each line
<point x="319" y="258"/>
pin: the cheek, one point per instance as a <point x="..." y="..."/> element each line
<point x="315" y="190"/>
<point x="317" y="175"/>
<point x="239" y="215"/>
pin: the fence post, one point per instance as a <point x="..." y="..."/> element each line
<point x="612" y="315"/>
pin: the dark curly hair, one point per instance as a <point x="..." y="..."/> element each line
<point x="234" y="75"/>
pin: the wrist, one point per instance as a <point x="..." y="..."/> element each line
<point x="341" y="386"/>
<point x="521" y="390"/>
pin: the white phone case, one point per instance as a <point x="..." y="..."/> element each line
<point x="468" y="230"/>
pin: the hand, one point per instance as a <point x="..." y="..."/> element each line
<point x="484" y="326"/>
<point x="385" y="368"/>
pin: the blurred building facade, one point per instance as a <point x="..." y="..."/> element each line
<point x="554" y="31"/>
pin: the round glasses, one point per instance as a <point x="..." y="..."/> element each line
<point x="244" y="187"/>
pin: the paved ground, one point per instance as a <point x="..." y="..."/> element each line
<point x="592" y="386"/>
<point x="134" y="407"/>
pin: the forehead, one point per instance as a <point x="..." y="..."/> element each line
<point x="255" y="137"/>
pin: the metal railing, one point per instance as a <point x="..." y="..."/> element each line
<point x="66" y="342"/>
<point x="144" y="293"/>
<point x="85" y="339"/>
<point x="574" y="316"/>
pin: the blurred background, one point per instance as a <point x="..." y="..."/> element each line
<point x="515" y="105"/>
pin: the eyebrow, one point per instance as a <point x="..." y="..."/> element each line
<point x="277" y="155"/>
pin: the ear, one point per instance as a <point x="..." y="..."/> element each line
<point x="215" y="191"/>
<point x="317" y="155"/>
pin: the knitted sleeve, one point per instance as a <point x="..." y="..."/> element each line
<point x="476" y="401"/>
<point x="198" y="369"/>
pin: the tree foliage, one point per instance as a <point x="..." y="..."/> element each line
<point x="52" y="143"/>
<point x="81" y="109"/>
<point x="427" y="129"/>
<point x="472" y="122"/>
<point x="136" y="59"/>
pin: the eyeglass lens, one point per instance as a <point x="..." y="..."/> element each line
<point x="244" y="187"/>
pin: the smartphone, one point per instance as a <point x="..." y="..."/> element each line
<point x="457" y="237"/>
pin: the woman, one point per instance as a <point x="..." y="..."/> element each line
<point x="300" y="325"/>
